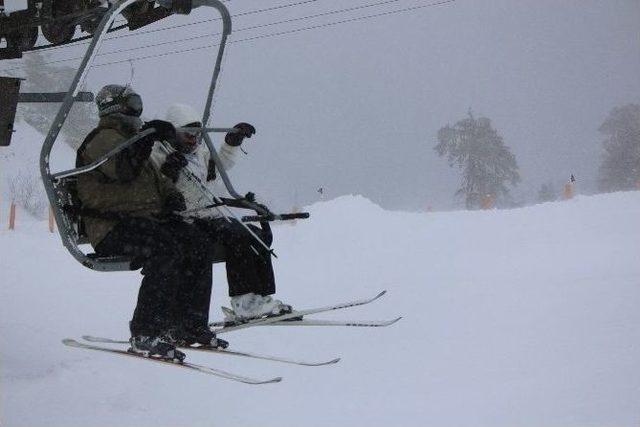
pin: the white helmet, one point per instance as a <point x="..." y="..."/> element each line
<point x="182" y="115"/>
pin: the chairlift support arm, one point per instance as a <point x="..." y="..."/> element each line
<point x="48" y="97"/>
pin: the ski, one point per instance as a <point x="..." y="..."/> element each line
<point x="294" y="314"/>
<point x="191" y="366"/>
<point x="323" y="322"/>
<point x="225" y="351"/>
<point x="264" y="357"/>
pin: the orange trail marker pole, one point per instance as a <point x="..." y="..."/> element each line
<point x="12" y="216"/>
<point x="51" y="219"/>
<point x="568" y="191"/>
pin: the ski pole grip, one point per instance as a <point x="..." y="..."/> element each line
<point x="281" y="217"/>
<point x="212" y="130"/>
<point x="301" y="215"/>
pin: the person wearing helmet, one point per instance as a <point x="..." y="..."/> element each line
<point x="249" y="270"/>
<point x="129" y="208"/>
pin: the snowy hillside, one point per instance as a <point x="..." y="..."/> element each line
<point x="524" y="317"/>
<point x="21" y="160"/>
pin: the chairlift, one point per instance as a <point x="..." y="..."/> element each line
<point x="60" y="186"/>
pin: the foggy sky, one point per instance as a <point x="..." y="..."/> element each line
<point x="355" y="108"/>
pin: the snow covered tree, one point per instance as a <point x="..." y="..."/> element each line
<point x="547" y="193"/>
<point x="487" y="164"/>
<point x="620" y="168"/>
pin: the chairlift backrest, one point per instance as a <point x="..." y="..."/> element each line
<point x="71" y="229"/>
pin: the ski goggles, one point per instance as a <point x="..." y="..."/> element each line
<point x="132" y="105"/>
<point x="187" y="140"/>
<point x="190" y="129"/>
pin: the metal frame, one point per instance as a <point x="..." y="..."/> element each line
<point x="9" y="97"/>
<point x="53" y="183"/>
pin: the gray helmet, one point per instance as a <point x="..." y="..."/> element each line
<point x="118" y="99"/>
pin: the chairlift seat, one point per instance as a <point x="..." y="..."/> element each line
<point x="72" y="230"/>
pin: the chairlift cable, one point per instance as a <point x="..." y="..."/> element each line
<point x="253" y="27"/>
<point x="202" y="21"/>
<point x="263" y="36"/>
<point x="141" y="33"/>
<point x="281" y="33"/>
<point x="70" y="42"/>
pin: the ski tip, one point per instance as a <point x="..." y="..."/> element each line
<point x="328" y="362"/>
<point x="258" y="382"/>
<point x="70" y="342"/>
<point x="380" y="294"/>
<point x="397" y="319"/>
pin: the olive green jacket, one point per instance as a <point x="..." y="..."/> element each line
<point x="118" y="187"/>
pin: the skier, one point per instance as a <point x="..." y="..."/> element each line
<point x="249" y="269"/>
<point x="129" y="208"/>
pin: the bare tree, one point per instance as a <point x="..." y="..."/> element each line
<point x="27" y="191"/>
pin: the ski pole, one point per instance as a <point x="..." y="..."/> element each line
<point x="210" y="130"/>
<point x="192" y="177"/>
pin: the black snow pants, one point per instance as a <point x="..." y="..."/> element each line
<point x="248" y="263"/>
<point x="176" y="267"/>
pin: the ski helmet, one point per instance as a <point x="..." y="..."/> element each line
<point x="181" y="115"/>
<point x="119" y="99"/>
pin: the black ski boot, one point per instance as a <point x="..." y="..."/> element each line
<point x="202" y="336"/>
<point x="158" y="347"/>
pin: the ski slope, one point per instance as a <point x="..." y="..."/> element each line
<point x="524" y="317"/>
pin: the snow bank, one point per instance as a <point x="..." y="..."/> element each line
<point x="518" y="317"/>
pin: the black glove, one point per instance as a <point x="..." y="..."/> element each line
<point x="235" y="138"/>
<point x="173" y="164"/>
<point x="140" y="150"/>
<point x="165" y="131"/>
<point x="211" y="171"/>
<point x="174" y="202"/>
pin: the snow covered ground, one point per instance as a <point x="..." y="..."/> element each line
<point x="525" y="317"/>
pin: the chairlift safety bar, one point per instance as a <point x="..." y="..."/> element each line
<point x="100" y="161"/>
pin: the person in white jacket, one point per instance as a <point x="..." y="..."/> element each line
<point x="249" y="270"/>
<point x="193" y="154"/>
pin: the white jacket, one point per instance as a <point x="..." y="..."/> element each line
<point x="194" y="196"/>
<point x="198" y="160"/>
